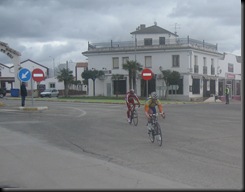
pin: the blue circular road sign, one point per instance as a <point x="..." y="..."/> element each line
<point x="24" y="75"/>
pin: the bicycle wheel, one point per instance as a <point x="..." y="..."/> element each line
<point x="135" y="117"/>
<point x="158" y="134"/>
<point x="151" y="136"/>
<point x="131" y="117"/>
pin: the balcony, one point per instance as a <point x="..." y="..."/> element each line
<point x="140" y="45"/>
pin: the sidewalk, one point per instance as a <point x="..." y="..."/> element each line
<point x="29" y="163"/>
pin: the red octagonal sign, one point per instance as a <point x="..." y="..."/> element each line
<point x="37" y="75"/>
<point x="147" y="74"/>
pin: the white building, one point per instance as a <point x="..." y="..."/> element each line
<point x="50" y="81"/>
<point x="198" y="62"/>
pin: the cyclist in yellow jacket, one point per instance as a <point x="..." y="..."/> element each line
<point x="150" y="106"/>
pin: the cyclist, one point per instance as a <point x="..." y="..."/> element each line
<point x="150" y="107"/>
<point x="131" y="97"/>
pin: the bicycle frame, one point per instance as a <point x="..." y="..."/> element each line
<point x="156" y="129"/>
<point x="133" y="114"/>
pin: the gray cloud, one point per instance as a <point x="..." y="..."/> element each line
<point x="61" y="29"/>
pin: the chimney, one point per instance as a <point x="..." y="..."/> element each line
<point x="142" y="26"/>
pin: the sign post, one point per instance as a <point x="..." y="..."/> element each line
<point x="24" y="75"/>
<point x="37" y="75"/>
<point x="146" y="75"/>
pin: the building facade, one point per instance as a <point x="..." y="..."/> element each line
<point x="7" y="77"/>
<point x="198" y="63"/>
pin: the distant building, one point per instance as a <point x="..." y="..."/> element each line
<point x="50" y="81"/>
<point x="158" y="49"/>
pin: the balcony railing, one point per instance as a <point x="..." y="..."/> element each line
<point x="132" y="45"/>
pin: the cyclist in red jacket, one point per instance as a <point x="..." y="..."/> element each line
<point x="131" y="97"/>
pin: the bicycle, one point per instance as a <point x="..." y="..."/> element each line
<point x="156" y="132"/>
<point x="133" y="114"/>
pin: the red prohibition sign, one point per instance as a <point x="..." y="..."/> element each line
<point x="146" y="74"/>
<point x="37" y="75"/>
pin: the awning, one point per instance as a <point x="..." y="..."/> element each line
<point x="8" y="79"/>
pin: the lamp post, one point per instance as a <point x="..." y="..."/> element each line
<point x="161" y="89"/>
<point x="53" y="64"/>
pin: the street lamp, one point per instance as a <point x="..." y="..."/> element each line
<point x="53" y="64"/>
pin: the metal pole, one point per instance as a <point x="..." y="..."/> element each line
<point x="146" y="88"/>
<point x="53" y="66"/>
<point x="31" y="93"/>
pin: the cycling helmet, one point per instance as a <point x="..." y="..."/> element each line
<point x="154" y="95"/>
<point x="131" y="91"/>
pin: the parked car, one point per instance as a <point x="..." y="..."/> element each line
<point x="50" y="93"/>
<point x="2" y="92"/>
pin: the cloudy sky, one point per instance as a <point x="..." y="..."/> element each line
<point x="59" y="30"/>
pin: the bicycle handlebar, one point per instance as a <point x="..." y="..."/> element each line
<point x="156" y="114"/>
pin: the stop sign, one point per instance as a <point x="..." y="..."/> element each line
<point x="37" y="75"/>
<point x="147" y="74"/>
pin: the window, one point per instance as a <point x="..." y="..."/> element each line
<point x="212" y="69"/>
<point x="124" y="60"/>
<point x="148" y="41"/>
<point x="204" y="61"/>
<point x="52" y="85"/>
<point x="196" y="69"/>
<point x="175" y="60"/>
<point x="161" y="40"/>
<point x="230" y="67"/>
<point x="115" y="63"/>
<point x="148" y="63"/>
<point x="195" y="60"/>
<point x="205" y="70"/>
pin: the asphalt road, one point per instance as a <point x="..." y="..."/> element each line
<point x="202" y="146"/>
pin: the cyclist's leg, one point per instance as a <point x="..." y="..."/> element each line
<point x="150" y="112"/>
<point x="128" y="111"/>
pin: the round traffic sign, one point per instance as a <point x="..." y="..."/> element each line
<point x="147" y="74"/>
<point x="37" y="75"/>
<point x="24" y="75"/>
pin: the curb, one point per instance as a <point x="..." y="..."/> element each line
<point x="33" y="108"/>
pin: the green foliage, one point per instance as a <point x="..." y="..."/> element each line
<point x="170" y="78"/>
<point x="92" y="74"/>
<point x="66" y="76"/>
<point x="133" y="68"/>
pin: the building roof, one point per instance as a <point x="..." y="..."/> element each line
<point x="151" y="30"/>
<point x="238" y="59"/>
<point x="10" y="65"/>
<point x="34" y="62"/>
<point x="82" y="64"/>
<point x="5" y="65"/>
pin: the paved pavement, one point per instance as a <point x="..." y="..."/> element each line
<point x="29" y="163"/>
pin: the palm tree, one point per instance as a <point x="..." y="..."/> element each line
<point x="117" y="77"/>
<point x="92" y="74"/>
<point x="133" y="68"/>
<point x="66" y="76"/>
<point x="170" y="78"/>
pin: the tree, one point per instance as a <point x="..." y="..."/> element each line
<point x="133" y="68"/>
<point x="66" y="76"/>
<point x="92" y="74"/>
<point x="117" y="77"/>
<point x="170" y="78"/>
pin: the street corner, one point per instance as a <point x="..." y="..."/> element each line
<point x="33" y="108"/>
